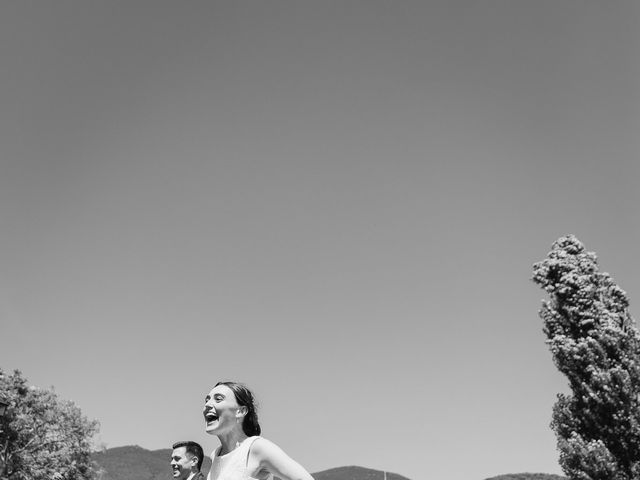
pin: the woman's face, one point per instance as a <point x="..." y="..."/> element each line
<point x="221" y="411"/>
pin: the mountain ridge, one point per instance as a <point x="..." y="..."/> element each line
<point x="133" y="462"/>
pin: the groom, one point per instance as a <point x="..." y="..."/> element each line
<point x="186" y="461"/>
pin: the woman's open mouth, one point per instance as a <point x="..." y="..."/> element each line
<point x="210" y="417"/>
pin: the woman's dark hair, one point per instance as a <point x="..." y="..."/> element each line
<point x="244" y="397"/>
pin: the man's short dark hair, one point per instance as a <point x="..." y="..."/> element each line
<point x="193" y="449"/>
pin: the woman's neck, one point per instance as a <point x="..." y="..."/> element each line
<point x="230" y="440"/>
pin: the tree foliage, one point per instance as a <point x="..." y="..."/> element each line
<point x="42" y="436"/>
<point x="595" y="343"/>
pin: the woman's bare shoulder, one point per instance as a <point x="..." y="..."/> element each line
<point x="261" y="447"/>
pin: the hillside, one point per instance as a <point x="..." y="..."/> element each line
<point x="355" y="473"/>
<point x="528" y="476"/>
<point x="137" y="463"/>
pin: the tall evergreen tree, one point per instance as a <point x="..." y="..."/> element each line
<point x="41" y="436"/>
<point x="595" y="343"/>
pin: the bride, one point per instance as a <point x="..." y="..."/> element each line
<point x="230" y="414"/>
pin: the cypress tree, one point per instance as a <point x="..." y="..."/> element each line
<point x="596" y="345"/>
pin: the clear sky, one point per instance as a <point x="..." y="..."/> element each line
<point x="338" y="203"/>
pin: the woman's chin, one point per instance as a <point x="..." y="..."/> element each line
<point x="211" y="429"/>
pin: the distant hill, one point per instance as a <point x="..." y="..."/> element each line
<point x="528" y="476"/>
<point x="137" y="463"/>
<point x="355" y="473"/>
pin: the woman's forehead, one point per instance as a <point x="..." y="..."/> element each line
<point x="223" y="389"/>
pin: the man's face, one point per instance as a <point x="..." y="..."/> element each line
<point x="181" y="463"/>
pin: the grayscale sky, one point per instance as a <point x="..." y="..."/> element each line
<point x="338" y="203"/>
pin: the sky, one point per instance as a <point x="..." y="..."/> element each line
<point x="336" y="203"/>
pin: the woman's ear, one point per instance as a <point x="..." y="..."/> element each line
<point x="242" y="411"/>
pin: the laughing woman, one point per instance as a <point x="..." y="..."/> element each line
<point x="230" y="414"/>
